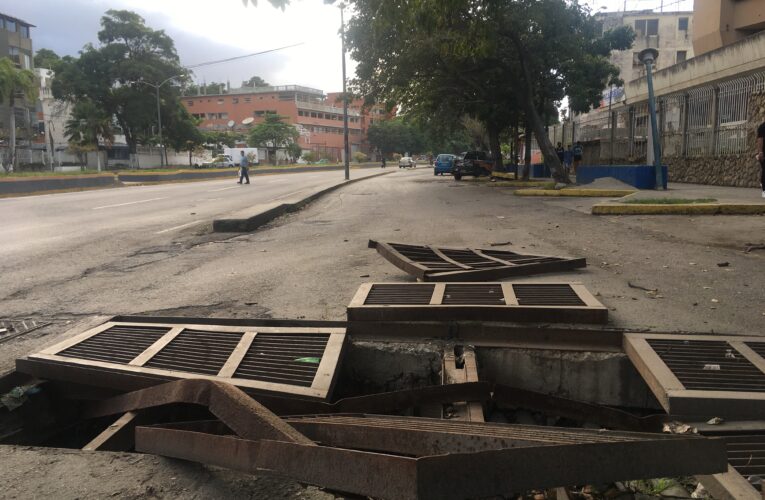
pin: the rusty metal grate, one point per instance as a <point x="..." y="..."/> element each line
<point x="118" y="344"/>
<point x="702" y="376"/>
<point x="431" y="263"/>
<point x="196" y="351"/>
<point x="549" y="302"/>
<point x="299" y="361"/>
<point x="709" y="365"/>
<point x="547" y="295"/>
<point x="274" y="358"/>
<point x="399" y="294"/>
<point x="483" y="294"/>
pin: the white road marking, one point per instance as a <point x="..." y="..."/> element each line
<point x="179" y="227"/>
<point x="223" y="189"/>
<point x="129" y="203"/>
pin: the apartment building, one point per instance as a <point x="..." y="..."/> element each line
<point x="16" y="43"/>
<point x="317" y="117"/>
<point x="723" y="22"/>
<point x="671" y="33"/>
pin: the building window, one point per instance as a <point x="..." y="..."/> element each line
<point x="190" y="103"/>
<point x="15" y="54"/>
<point x="636" y="59"/>
<point x="647" y="27"/>
<point x="10" y="25"/>
<point x="224" y="116"/>
<point x="235" y="100"/>
<point x="682" y="24"/>
<point x="682" y="55"/>
<point x="258" y="113"/>
<point x="300" y="113"/>
<point x="220" y="101"/>
<point x="247" y="99"/>
<point x="24" y="30"/>
<point x="313" y="115"/>
<point x="260" y="98"/>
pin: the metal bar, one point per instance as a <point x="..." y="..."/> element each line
<point x="237" y="410"/>
<point x="118" y="436"/>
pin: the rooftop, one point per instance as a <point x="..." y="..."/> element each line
<point x="20" y="21"/>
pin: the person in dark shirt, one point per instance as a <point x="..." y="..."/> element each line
<point x="761" y="155"/>
<point x="560" y="152"/>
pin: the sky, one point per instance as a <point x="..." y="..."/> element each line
<point x="208" y="30"/>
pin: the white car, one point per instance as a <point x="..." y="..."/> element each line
<point x="407" y="162"/>
<point x="220" y="161"/>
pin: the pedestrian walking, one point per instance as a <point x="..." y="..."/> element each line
<point x="578" y="152"/>
<point x="560" y="152"/>
<point x="568" y="158"/>
<point x="383" y="162"/>
<point x="761" y="155"/>
<point x="243" y="164"/>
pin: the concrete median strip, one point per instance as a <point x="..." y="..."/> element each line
<point x="679" y="209"/>
<point x="576" y="192"/>
<point x="263" y="215"/>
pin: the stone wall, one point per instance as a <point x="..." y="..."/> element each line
<point x="740" y="170"/>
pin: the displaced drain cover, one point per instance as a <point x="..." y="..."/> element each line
<point x="702" y="375"/>
<point x="125" y="355"/>
<point x="527" y="302"/>
<point x="431" y="263"/>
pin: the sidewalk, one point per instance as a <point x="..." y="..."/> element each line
<point x="686" y="199"/>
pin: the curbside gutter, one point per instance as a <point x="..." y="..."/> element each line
<point x="576" y="192"/>
<point x="262" y="218"/>
<point x="679" y="209"/>
<point x="29" y="185"/>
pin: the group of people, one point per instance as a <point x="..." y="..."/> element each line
<point x="570" y="157"/>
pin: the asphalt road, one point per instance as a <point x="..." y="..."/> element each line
<point x="57" y="237"/>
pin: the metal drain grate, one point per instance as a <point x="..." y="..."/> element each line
<point x="283" y="359"/>
<point x="484" y="294"/>
<point x="547" y="295"/>
<point x="431" y="263"/>
<point x="196" y="351"/>
<point x="709" y="365"/>
<point x="549" y="302"/>
<point x="118" y="344"/>
<point x="758" y="347"/>
<point x="746" y="453"/>
<point x="400" y="294"/>
<point x="702" y="375"/>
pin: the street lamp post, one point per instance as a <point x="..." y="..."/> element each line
<point x="346" y="149"/>
<point x="647" y="57"/>
<point x="163" y="151"/>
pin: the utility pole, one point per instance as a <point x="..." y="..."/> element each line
<point x="346" y="149"/>
<point x="647" y="57"/>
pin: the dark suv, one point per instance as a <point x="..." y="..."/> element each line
<point x="475" y="163"/>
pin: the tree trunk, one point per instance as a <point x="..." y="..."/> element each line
<point x="190" y="165"/>
<point x="496" y="149"/>
<point x="98" y="154"/>
<point x="527" y="154"/>
<point x="12" y="162"/>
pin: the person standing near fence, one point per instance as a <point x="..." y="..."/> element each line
<point x="243" y="164"/>
<point x="568" y="158"/>
<point x="578" y="153"/>
<point x="761" y="155"/>
<point x="560" y="152"/>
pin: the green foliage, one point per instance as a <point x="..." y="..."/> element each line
<point x="294" y="150"/>
<point x="87" y="123"/>
<point x="15" y="82"/>
<point x="46" y="58"/>
<point x="311" y="156"/>
<point x="111" y="76"/>
<point x="359" y="157"/>
<point x="273" y="133"/>
<point x="255" y="81"/>
<point x="395" y="135"/>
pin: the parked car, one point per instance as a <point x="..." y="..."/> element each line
<point x="444" y="164"/>
<point x="407" y="162"/>
<point x="475" y="163"/>
<point x="220" y="161"/>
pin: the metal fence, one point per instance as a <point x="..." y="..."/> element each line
<point x="715" y="120"/>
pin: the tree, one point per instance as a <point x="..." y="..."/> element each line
<point x="359" y="157"/>
<point x="273" y="133"/>
<point x="294" y="150"/>
<point x="46" y="58"/>
<point x="254" y="82"/>
<point x="87" y="125"/>
<point x="183" y="133"/>
<point x="492" y="60"/>
<point x="15" y="82"/>
<point x="396" y="134"/>
<point x="112" y="75"/>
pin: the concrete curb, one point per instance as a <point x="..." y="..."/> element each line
<point x="576" y="192"/>
<point x="260" y="219"/>
<point x="29" y="185"/>
<point x="684" y="209"/>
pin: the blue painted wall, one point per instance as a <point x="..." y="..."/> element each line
<point x="639" y="176"/>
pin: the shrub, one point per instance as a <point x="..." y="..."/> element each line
<point x="359" y="157"/>
<point x="311" y="156"/>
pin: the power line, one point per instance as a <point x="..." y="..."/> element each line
<point x="236" y="58"/>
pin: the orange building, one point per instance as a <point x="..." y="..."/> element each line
<point x="319" y="119"/>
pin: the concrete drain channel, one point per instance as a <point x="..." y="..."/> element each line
<point x="428" y="390"/>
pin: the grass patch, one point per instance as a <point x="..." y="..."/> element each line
<point x="668" y="201"/>
<point x="48" y="173"/>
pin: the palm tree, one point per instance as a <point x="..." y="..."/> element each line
<point x="15" y="83"/>
<point x="87" y="124"/>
